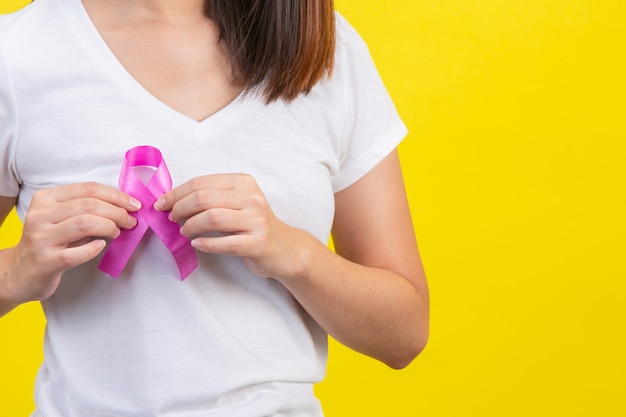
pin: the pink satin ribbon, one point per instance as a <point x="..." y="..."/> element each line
<point x="120" y="250"/>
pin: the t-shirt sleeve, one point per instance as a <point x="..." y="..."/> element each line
<point x="372" y="125"/>
<point x="9" y="183"/>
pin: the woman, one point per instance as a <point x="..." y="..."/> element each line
<point x="276" y="128"/>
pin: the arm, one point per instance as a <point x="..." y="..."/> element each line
<point x="374" y="298"/>
<point x="6" y="205"/>
<point x="371" y="296"/>
<point x="64" y="227"/>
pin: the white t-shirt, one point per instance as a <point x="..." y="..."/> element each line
<point x="223" y="342"/>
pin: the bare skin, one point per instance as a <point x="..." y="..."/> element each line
<point x="172" y="50"/>
<point x="370" y="295"/>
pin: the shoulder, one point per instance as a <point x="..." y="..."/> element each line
<point x="346" y="34"/>
<point x="16" y="28"/>
<point x="349" y="43"/>
<point x="351" y="56"/>
<point x="354" y="66"/>
<point x="33" y="25"/>
<point x="35" y="38"/>
<point x="24" y="19"/>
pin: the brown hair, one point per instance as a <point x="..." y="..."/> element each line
<point x="283" y="47"/>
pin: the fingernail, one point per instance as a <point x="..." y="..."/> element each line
<point x="160" y="204"/>
<point x="135" y="204"/>
<point x="132" y="222"/>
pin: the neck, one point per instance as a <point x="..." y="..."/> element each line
<point x="161" y="10"/>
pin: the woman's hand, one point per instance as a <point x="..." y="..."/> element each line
<point x="234" y="206"/>
<point x="63" y="228"/>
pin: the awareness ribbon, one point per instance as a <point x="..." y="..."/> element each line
<point x="120" y="250"/>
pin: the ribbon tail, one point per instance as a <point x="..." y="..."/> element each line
<point x="186" y="260"/>
<point x="180" y="247"/>
<point x="121" y="249"/>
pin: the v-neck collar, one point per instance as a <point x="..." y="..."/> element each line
<point x="109" y="63"/>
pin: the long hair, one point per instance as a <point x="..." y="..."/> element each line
<point x="283" y="47"/>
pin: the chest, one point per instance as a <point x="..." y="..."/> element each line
<point x="83" y="137"/>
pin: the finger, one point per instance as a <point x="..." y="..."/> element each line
<point x="236" y="245"/>
<point x="83" y="226"/>
<point x="74" y="256"/>
<point x="204" y="200"/>
<point x="80" y="242"/>
<point x="208" y="182"/>
<point x="217" y="220"/>
<point x="95" y="207"/>
<point x="97" y="191"/>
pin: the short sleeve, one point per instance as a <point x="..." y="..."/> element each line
<point x="9" y="183"/>
<point x="372" y="125"/>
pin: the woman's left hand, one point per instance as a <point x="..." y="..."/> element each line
<point x="234" y="206"/>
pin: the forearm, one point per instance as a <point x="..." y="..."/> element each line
<point x="372" y="310"/>
<point x="7" y="301"/>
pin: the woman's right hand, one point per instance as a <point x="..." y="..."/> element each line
<point x="64" y="227"/>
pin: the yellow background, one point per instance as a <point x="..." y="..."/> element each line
<point x="515" y="171"/>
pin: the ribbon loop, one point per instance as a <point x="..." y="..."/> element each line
<point x="121" y="249"/>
